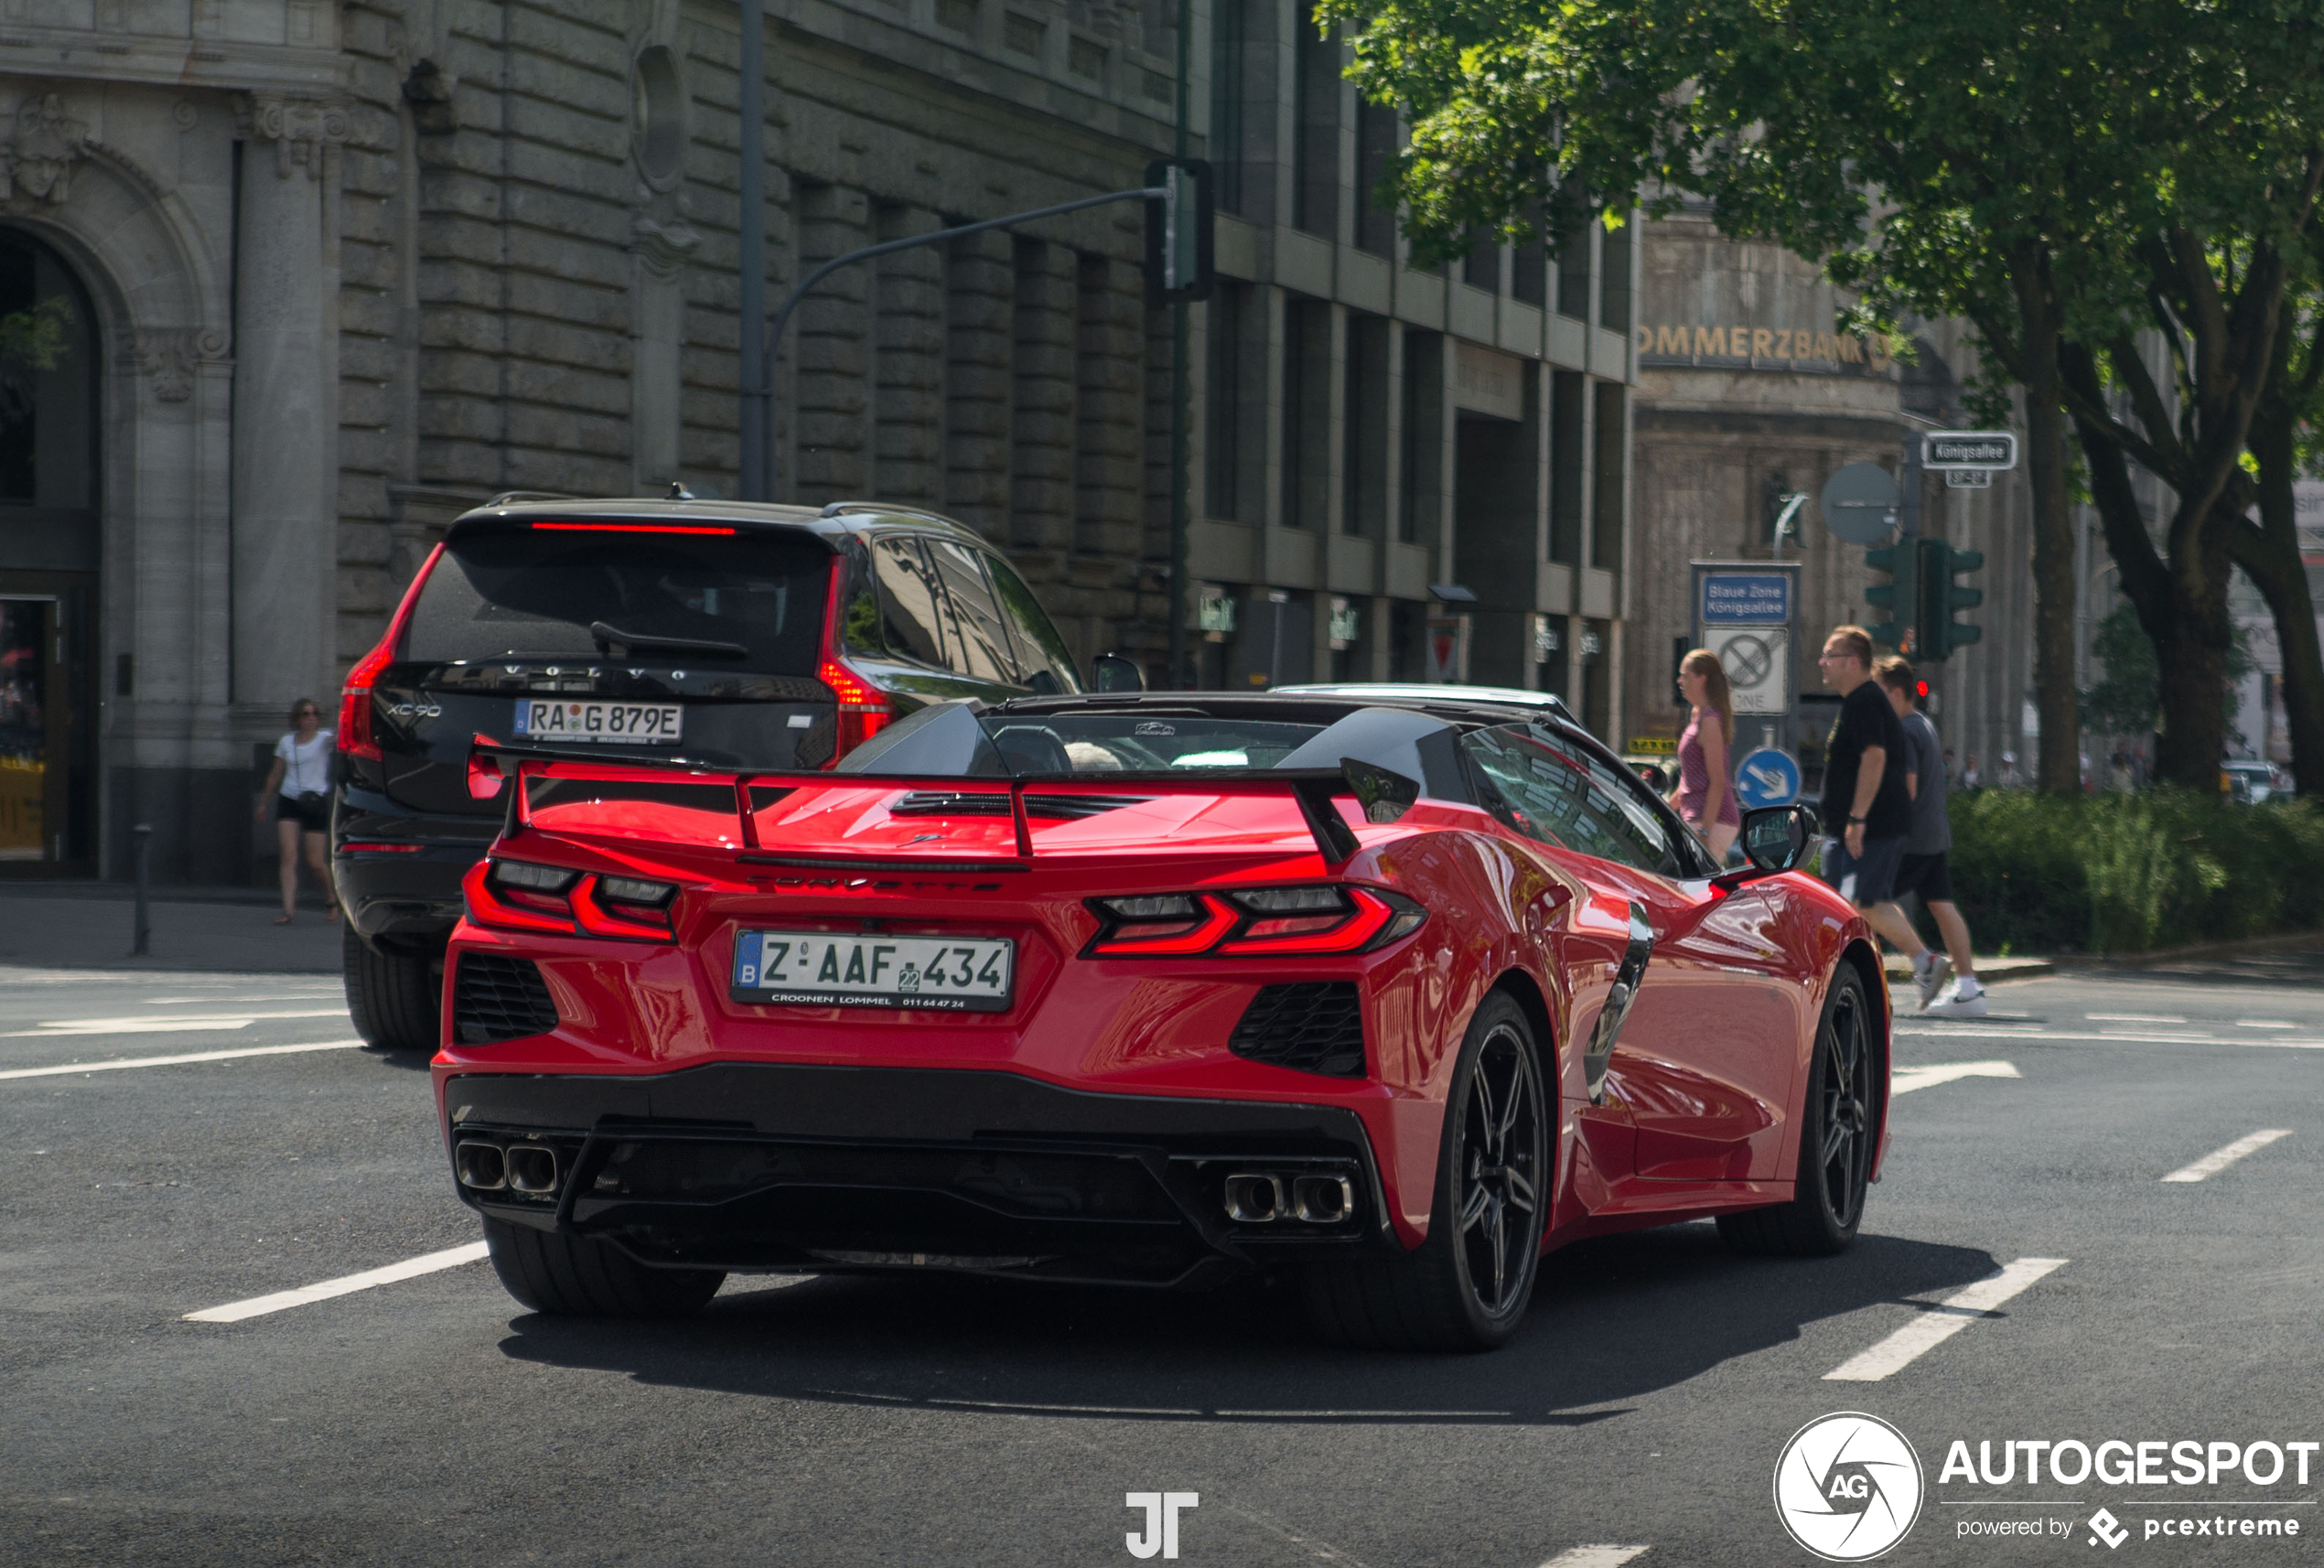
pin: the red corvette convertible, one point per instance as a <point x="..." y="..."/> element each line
<point x="1397" y="988"/>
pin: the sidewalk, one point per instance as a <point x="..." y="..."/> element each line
<point x="91" y="925"/>
<point x="1990" y="971"/>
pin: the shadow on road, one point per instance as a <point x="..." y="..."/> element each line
<point x="1614" y="1319"/>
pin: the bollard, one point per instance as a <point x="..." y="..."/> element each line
<point x="143" y="836"/>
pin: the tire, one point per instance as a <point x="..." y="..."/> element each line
<point x="573" y="1276"/>
<point x="1467" y="1286"/>
<point x="1838" y="1118"/>
<point x="396" y="1000"/>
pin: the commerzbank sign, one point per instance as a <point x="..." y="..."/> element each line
<point x="1739" y="345"/>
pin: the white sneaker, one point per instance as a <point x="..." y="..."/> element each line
<point x="1930" y="978"/>
<point x="1953" y="1004"/>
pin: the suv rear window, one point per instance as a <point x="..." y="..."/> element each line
<point x="534" y="593"/>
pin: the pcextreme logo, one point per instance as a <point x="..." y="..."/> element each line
<point x="1847" y="1487"/>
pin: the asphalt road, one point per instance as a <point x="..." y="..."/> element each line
<point x="920" y="1421"/>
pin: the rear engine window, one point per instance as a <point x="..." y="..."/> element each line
<point x="1131" y="742"/>
<point x="751" y="602"/>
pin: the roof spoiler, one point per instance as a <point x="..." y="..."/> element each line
<point x="1383" y="794"/>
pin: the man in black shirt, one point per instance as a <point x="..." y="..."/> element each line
<point x="1865" y="798"/>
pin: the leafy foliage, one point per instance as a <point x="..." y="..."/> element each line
<point x="30" y="341"/>
<point x="2126" y="873"/>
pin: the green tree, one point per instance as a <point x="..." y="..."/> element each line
<point x="2015" y="163"/>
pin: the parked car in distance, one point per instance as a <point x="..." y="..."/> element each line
<point x="730" y="635"/>
<point x="2249" y="783"/>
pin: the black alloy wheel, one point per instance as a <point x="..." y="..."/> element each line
<point x="1839" y="1128"/>
<point x="1465" y="1287"/>
<point x="1497" y="1171"/>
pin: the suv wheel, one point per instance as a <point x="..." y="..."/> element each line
<point x="397" y="1001"/>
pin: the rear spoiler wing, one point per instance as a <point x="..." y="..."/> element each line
<point x="1383" y="795"/>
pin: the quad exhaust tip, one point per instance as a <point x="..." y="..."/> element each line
<point x="532" y="1167"/>
<point x="1262" y="1198"/>
<point x="481" y="1168"/>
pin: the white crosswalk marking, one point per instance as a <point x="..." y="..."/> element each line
<point x="1905" y="1080"/>
<point x="1596" y="1557"/>
<point x="69" y="1069"/>
<point x="1933" y="1328"/>
<point x="2218" y="1160"/>
<point x="161" y="1023"/>
<point x="410" y="1268"/>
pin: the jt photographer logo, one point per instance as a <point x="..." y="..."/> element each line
<point x="1161" y="1532"/>
<point x="1847" y="1487"/>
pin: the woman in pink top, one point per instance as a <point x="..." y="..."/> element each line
<point x="1705" y="792"/>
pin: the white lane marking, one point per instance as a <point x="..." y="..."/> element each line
<point x="2218" y="1160"/>
<point x="410" y="1268"/>
<point x="2263" y="1024"/>
<point x="1905" y="1080"/>
<point x="152" y="1023"/>
<point x="2112" y="1037"/>
<point x="119" y="1062"/>
<point x="2134" y="1018"/>
<point x="1596" y="1556"/>
<point x="1933" y="1328"/>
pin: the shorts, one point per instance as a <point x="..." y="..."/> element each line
<point x="1929" y="876"/>
<point x="1864" y="879"/>
<point x="314" y="820"/>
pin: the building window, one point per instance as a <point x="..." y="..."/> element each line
<point x="1614" y="300"/>
<point x="1481" y="268"/>
<point x="1423" y="443"/>
<point x="1567" y="466"/>
<point x="1023" y="34"/>
<point x="1571" y="232"/>
<point x="1226" y="53"/>
<point x="1375" y="152"/>
<point x="1529" y="278"/>
<point x="1307" y="344"/>
<point x="1315" y="201"/>
<point x="1222" y="437"/>
<point x="1607" y="493"/>
<point x="1364" y="477"/>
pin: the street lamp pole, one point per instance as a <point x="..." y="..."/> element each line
<point x="1180" y="396"/>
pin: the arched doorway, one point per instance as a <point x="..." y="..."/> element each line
<point x="48" y="562"/>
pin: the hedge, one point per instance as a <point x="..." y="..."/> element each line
<point x="2128" y="872"/>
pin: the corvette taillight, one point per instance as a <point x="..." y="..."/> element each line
<point x="1275" y="922"/>
<point x="522" y="895"/>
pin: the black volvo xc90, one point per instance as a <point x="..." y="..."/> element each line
<point x="737" y="635"/>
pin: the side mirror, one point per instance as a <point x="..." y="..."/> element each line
<point x="1111" y="672"/>
<point x="1777" y="838"/>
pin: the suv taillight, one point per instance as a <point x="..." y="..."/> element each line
<point x="355" y="695"/>
<point x="863" y="710"/>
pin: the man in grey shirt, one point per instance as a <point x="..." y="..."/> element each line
<point x="1924" y="869"/>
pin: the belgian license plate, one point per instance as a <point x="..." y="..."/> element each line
<point x="628" y="724"/>
<point x="874" y="970"/>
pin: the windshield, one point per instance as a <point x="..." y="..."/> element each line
<point x="751" y="601"/>
<point x="1139" y="742"/>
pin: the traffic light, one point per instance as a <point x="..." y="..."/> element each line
<point x="1941" y="596"/>
<point x="1899" y="596"/>
<point x="1179" y="227"/>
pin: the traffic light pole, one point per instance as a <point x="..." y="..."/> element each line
<point x="1180" y="677"/>
<point x="759" y="399"/>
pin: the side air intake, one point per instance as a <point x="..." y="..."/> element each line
<point x="1310" y="1027"/>
<point x="495" y="997"/>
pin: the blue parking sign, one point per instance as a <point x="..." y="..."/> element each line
<point x="1767" y="778"/>
<point x="1746" y="598"/>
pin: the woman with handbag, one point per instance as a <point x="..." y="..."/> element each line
<point x="299" y="785"/>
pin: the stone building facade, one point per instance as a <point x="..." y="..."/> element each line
<point x="329" y="271"/>
<point x="1747" y="392"/>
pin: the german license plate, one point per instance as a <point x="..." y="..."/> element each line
<point x="875" y="970"/>
<point x="628" y="724"/>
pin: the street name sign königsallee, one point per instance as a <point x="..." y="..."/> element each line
<point x="1949" y="449"/>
